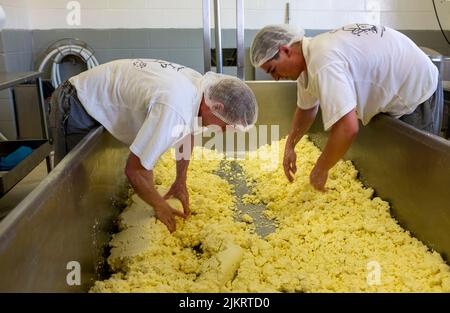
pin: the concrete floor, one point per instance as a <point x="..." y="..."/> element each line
<point x="11" y="199"/>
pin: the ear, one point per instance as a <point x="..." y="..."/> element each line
<point x="285" y="49"/>
<point x="217" y="106"/>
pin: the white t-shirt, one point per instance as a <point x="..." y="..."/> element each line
<point x="372" y="69"/>
<point x="143" y="103"/>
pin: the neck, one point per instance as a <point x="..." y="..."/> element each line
<point x="299" y="49"/>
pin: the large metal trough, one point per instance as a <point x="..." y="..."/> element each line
<point x="70" y="215"/>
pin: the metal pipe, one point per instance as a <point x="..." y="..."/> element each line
<point x="288" y="13"/>
<point x="218" y="32"/>
<point x="42" y="110"/>
<point x="207" y="35"/>
<point x="240" y="38"/>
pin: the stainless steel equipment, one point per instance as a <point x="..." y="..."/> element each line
<point x="237" y="179"/>
<point x="41" y="148"/>
<point x="218" y="37"/>
<point x="69" y="217"/>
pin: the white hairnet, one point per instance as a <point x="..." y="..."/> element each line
<point x="269" y="39"/>
<point x="239" y="106"/>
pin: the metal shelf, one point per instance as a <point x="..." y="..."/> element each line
<point x="8" y="80"/>
<point x="41" y="147"/>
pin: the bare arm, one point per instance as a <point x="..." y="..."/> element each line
<point x="179" y="189"/>
<point x="141" y="180"/>
<point x="303" y="119"/>
<point x="339" y="141"/>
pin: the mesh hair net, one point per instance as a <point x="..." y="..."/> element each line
<point x="269" y="39"/>
<point x="238" y="103"/>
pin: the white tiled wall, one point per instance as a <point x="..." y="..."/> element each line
<point x="311" y="14"/>
<point x="17" y="13"/>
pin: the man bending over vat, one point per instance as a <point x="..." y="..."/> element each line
<point x="353" y="72"/>
<point x="144" y="103"/>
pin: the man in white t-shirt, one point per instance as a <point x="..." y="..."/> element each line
<point x="353" y="72"/>
<point x="150" y="105"/>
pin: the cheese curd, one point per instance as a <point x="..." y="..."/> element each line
<point x="343" y="240"/>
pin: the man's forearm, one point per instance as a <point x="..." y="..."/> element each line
<point x="142" y="181"/>
<point x="339" y="141"/>
<point x="182" y="168"/>
<point x="303" y="119"/>
<point x="145" y="188"/>
<point x="184" y="158"/>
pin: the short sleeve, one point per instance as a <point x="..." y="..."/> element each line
<point x="305" y="100"/>
<point x="162" y="128"/>
<point x="337" y="93"/>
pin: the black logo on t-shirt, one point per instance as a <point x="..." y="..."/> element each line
<point x="358" y="29"/>
<point x="140" y="64"/>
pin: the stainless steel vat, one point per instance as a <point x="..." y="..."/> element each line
<point x="70" y="215"/>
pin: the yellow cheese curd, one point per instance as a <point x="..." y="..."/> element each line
<point x="343" y="240"/>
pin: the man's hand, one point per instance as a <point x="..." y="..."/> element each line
<point x="166" y="214"/>
<point x="318" y="178"/>
<point x="142" y="181"/>
<point x="341" y="137"/>
<point x="179" y="191"/>
<point x="301" y="123"/>
<point x="289" y="162"/>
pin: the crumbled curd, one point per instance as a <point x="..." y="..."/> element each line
<point x="324" y="242"/>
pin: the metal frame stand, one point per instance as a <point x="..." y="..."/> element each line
<point x="218" y="37"/>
